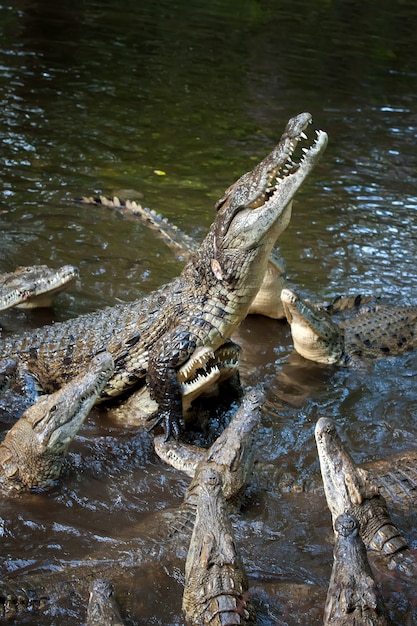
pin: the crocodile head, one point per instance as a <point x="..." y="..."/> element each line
<point x="33" y="450"/>
<point x="232" y="453"/>
<point x="350" y="489"/>
<point x="256" y="209"/>
<point x="353" y="596"/>
<point x="204" y="370"/>
<point x="315" y="336"/>
<point x="345" y="484"/>
<point x="216" y="585"/>
<point x="102" y="606"/>
<point x="34" y="286"/>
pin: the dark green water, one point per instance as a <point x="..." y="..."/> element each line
<point x="103" y="97"/>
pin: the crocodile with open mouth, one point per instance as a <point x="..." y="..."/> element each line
<point x="380" y="331"/>
<point x="33" y="450"/>
<point x="151" y="338"/>
<point x="34" y="286"/>
<point x="166" y="536"/>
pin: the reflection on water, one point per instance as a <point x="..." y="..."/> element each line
<point x="171" y="103"/>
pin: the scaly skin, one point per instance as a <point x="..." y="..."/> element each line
<point x="153" y="337"/>
<point x="34" y="286"/>
<point x="233" y="450"/>
<point x="353" y="598"/>
<point x="216" y="587"/>
<point x="350" y="489"/>
<point x="382" y="331"/>
<point x="168" y="535"/>
<point x="267" y="301"/>
<point x="102" y="607"/>
<point x="33" y="450"/>
<point x="396" y="478"/>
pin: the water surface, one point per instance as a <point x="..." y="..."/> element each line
<point x="170" y="103"/>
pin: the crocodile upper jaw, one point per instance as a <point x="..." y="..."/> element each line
<point x="346" y="485"/>
<point x="315" y="336"/>
<point x="32" y="452"/>
<point x="257" y="219"/>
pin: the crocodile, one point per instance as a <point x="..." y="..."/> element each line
<point x="151" y="338"/>
<point x="353" y="597"/>
<point x="102" y="607"/>
<point x="201" y="378"/>
<point x="350" y="489"/>
<point x="33" y="450"/>
<point x="216" y="590"/>
<point x="34" y="286"/>
<point x="267" y="301"/>
<point x="165" y="537"/>
<point x="378" y="331"/>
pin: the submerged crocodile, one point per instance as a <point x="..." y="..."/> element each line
<point x="150" y="339"/>
<point x="350" y="489"/>
<point x="382" y="331"/>
<point x="216" y="590"/>
<point x="32" y="453"/>
<point x="102" y="607"/>
<point x="353" y="598"/>
<point x="34" y="286"/>
<point x="165" y="537"/>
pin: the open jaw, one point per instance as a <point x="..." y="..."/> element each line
<point x="257" y="201"/>
<point x="288" y="163"/>
<point x="205" y="368"/>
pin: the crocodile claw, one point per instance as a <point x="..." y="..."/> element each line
<point x="172" y="425"/>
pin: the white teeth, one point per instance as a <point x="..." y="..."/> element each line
<point x="303" y="135"/>
<point x="305" y="150"/>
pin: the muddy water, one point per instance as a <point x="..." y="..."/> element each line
<point x="170" y="103"/>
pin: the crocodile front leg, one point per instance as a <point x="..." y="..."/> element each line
<point x="167" y="356"/>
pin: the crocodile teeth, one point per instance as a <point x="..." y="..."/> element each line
<point x="199" y="359"/>
<point x="303" y="135"/>
<point x="201" y="381"/>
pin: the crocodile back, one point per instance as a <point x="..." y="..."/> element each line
<point x="384" y="331"/>
<point x="397" y="479"/>
<point x="58" y="352"/>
